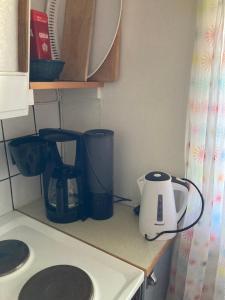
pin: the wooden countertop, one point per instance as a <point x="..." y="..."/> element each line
<point x="117" y="236"/>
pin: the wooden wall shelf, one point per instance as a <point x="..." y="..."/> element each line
<point x="64" y="85"/>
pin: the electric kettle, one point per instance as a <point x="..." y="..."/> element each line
<point x="158" y="217"/>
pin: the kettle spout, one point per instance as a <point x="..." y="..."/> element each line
<point x="141" y="183"/>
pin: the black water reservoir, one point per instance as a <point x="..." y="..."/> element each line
<point x="99" y="168"/>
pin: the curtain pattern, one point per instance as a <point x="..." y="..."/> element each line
<point x="198" y="264"/>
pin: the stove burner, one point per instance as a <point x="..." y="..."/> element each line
<point x="60" y="282"/>
<point x="13" y="255"/>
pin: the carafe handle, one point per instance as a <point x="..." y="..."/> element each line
<point x="181" y="185"/>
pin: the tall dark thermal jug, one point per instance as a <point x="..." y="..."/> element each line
<point x="99" y="171"/>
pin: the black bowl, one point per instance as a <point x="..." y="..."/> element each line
<point x="45" y="70"/>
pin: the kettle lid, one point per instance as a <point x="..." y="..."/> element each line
<point x="157" y="176"/>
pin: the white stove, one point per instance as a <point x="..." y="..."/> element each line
<point x="110" y="278"/>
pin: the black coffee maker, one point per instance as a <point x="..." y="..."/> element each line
<point x="64" y="185"/>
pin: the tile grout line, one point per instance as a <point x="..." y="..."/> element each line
<point x="9" y="140"/>
<point x="4" y="179"/>
<point x="15" y="175"/>
<point x="59" y="99"/>
<point x="7" y="162"/>
<point x="34" y="118"/>
<point x="11" y="176"/>
<point x="36" y="131"/>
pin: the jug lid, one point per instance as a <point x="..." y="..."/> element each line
<point x="157" y="176"/>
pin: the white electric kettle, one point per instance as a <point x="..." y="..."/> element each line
<point x="158" y="217"/>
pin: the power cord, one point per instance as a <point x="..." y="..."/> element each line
<point x="118" y="197"/>
<point x="187" y="227"/>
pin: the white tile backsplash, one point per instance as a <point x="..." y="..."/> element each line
<point x="1" y="135"/>
<point x="5" y="197"/>
<point x="25" y="190"/>
<point x="13" y="170"/>
<point x="47" y="115"/>
<point x="44" y="96"/>
<point x="3" y="163"/>
<point x="16" y="127"/>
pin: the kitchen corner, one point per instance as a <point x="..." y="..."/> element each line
<point x="118" y="236"/>
<point x="93" y="94"/>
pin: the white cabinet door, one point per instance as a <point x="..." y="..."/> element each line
<point x="9" y="36"/>
<point x="15" y="96"/>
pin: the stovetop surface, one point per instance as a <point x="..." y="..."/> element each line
<point x="111" y="278"/>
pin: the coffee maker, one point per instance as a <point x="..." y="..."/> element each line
<point x="64" y="185"/>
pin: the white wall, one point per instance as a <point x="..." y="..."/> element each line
<point x="147" y="107"/>
<point x="38" y="4"/>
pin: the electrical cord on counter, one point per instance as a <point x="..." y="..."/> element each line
<point x="119" y="198"/>
<point x="187" y="227"/>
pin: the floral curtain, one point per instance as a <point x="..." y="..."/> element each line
<point x="198" y="264"/>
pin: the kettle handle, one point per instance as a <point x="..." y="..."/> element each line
<point x="181" y="185"/>
<point x="141" y="183"/>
